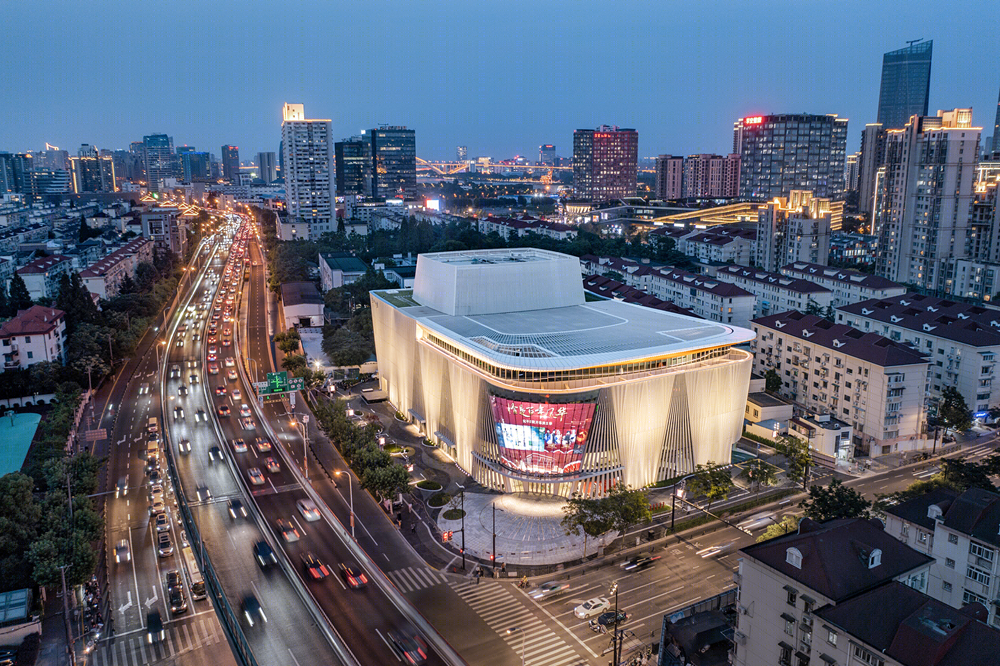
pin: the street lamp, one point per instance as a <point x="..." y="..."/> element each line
<point x="350" y="487"/>
<point x="163" y="343"/>
<point x="305" y="441"/>
<point x="678" y="492"/>
<point x="511" y="631"/>
<point x="463" y="524"/>
<point x="614" y="638"/>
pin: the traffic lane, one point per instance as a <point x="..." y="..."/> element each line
<point x="360" y="616"/>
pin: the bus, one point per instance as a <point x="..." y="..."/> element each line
<point x="195" y="582"/>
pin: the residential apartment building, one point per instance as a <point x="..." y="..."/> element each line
<point x="159" y="160"/>
<point x="789" y="585"/>
<point x="310" y="185"/>
<point x="166" y="228"/>
<point x="781" y="153"/>
<point x="711" y="176"/>
<point x="669" y="177"/>
<point x="41" y="276"/>
<point x="104" y="277"/>
<point x="231" y="163"/>
<point x="961" y="339"/>
<point x="871" y="382"/>
<point x="92" y="174"/>
<point x="790" y="231"/>
<point x="32" y="336"/>
<point x="776" y="293"/>
<point x="851" y="166"/>
<point x="509" y="228"/>
<point x="605" y="163"/>
<point x="872" y="154"/>
<point x="847" y="286"/>
<point x="722" y="244"/>
<point x="924" y="196"/>
<point x="339" y="268"/>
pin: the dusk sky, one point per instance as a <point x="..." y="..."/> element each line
<point x="498" y="76"/>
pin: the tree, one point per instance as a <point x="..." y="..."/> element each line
<point x="627" y="507"/>
<point x="772" y="381"/>
<point x="19" y="297"/>
<point x="787" y="525"/>
<point x="294" y="363"/>
<point x="758" y="473"/>
<point x="587" y="515"/>
<point x="712" y="481"/>
<point x="127" y="285"/>
<point x="835" y="501"/>
<point x="385" y="481"/>
<point x="288" y="341"/>
<point x="20" y="515"/>
<point x="953" y="411"/>
<point x="5" y="308"/>
<point x="799" y="458"/>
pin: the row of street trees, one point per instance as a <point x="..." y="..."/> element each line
<point x="618" y="511"/>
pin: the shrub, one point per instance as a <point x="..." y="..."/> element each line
<point x="453" y="514"/>
<point x="439" y="500"/>
<point x="427" y="484"/>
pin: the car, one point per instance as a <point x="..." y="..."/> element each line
<point x="213" y="368"/>
<point x="353" y="575"/>
<point x="239" y="445"/>
<point x="180" y="342"/>
<point x="212" y="338"/>
<point x="122" y="552"/>
<point x="263" y="445"/>
<point x="639" y="562"/>
<point x="245" y="410"/>
<point x="212" y="357"/>
<point x="164" y="547"/>
<point x="178" y="412"/>
<point x="144" y="388"/>
<point x="264" y="554"/>
<point x="175" y="371"/>
<point x="178" y="600"/>
<point x="236" y="509"/>
<point x="408" y="646"/>
<point x="154" y="627"/>
<point x="203" y="493"/>
<point x="214" y="453"/>
<point x="314" y="567"/>
<point x="713" y="551"/>
<point x="154" y="476"/>
<point x="231" y="375"/>
<point x="272" y="465"/>
<point x="227" y="331"/>
<point x="549" y="589"/>
<point x="182" y="390"/>
<point x="226" y="342"/>
<point x="200" y="416"/>
<point x="194" y="379"/>
<point x="156" y="507"/>
<point x="162" y="522"/>
<point x="224" y="410"/>
<point x="183" y="538"/>
<point x="230" y="362"/>
<point x="308" y="509"/>
<point x="197" y="336"/>
<point x="252" y="610"/>
<point x="612" y="618"/>
<point x="256" y="476"/>
<point x="289" y="532"/>
<point x="237" y="395"/>
<point x="174" y="579"/>
<point x="591" y="607"/>
<point x="758" y="521"/>
<point x="184" y="446"/>
<point x="212" y="349"/>
<point x="248" y="424"/>
<point x="152" y="464"/>
<point x="220" y="389"/>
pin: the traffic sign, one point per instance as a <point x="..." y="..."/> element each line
<point x="260" y="385"/>
<point x="277" y="381"/>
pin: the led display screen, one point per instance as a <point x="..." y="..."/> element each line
<point x="541" y="438"/>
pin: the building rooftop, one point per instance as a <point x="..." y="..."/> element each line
<point x="849" y="341"/>
<point x="843" y="275"/>
<point x="835" y="556"/>
<point x="42" y="264"/>
<point x="776" y="280"/>
<point x="966" y="323"/>
<point x="300" y="293"/>
<point x="342" y="261"/>
<point x="105" y="264"/>
<point x="765" y="400"/>
<point x="36" y="320"/>
<point x="403" y="271"/>
<point x="974" y="513"/>
<point x="917" y="509"/>
<point x="915" y="630"/>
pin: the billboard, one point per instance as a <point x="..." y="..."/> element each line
<point x="542" y="438"/>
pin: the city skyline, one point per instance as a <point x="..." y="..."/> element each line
<point x="429" y="78"/>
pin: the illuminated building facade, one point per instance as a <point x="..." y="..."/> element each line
<point x="538" y="390"/>
<point x="352" y="166"/>
<point x="393" y="152"/>
<point x="711" y="176"/>
<point x="781" y="153"/>
<point x="307" y="146"/>
<point x="158" y="152"/>
<point x="231" y="163"/>
<point x="906" y="82"/>
<point x="547" y="154"/>
<point x="669" y="177"/>
<point x="605" y="163"/>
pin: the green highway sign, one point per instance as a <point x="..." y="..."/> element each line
<point x="279" y="383"/>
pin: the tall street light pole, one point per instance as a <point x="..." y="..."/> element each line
<point x="614" y="624"/>
<point x="463" y="524"/>
<point x="350" y="488"/>
<point x="511" y="631"/>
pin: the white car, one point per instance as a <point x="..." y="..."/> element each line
<point x="308" y="509"/>
<point x="237" y="395"/>
<point x="594" y="606"/>
<point x="122" y="552"/>
<point x="256" y="477"/>
<point x="230" y="361"/>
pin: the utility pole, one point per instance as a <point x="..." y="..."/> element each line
<point x="70" y="648"/>
<point x="494" y="534"/>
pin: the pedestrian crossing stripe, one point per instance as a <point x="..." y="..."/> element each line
<point x="411" y="579"/>
<point x="501" y="610"/>
<point x="134" y="649"/>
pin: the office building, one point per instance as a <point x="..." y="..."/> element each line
<point x="353" y="166"/>
<point x="52" y="158"/>
<point x="924" y="196"/>
<point x="231" y="163"/>
<point x="393" y="153"/>
<point x="308" y="171"/>
<point x="158" y="153"/>
<point x="872" y="154"/>
<point x="32" y="336"/>
<point x="547" y="154"/>
<point x="847" y="286"/>
<point x="796" y="229"/>
<point x="93" y="174"/>
<point x="869" y="381"/>
<point x="52" y="181"/>
<point x="963" y="341"/>
<point x="620" y="394"/>
<point x="197" y="167"/>
<point x="711" y="176"/>
<point x="959" y="530"/>
<point x="906" y="82"/>
<point x="605" y="163"/>
<point x="996" y="131"/>
<point x="781" y="153"/>
<point x="669" y="177"/>
<point x="267" y="167"/>
<point x="461" y="153"/>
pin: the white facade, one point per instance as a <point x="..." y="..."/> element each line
<point x="308" y="171"/>
<point x="32" y="336"/>
<point x="654" y="393"/>
<point x="41" y="276"/>
<point x="789" y="234"/>
<point x="775" y="292"/>
<point x="847" y="286"/>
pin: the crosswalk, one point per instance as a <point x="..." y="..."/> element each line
<point x="411" y="579"/>
<point x="180" y="637"/>
<point x="501" y="610"/>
